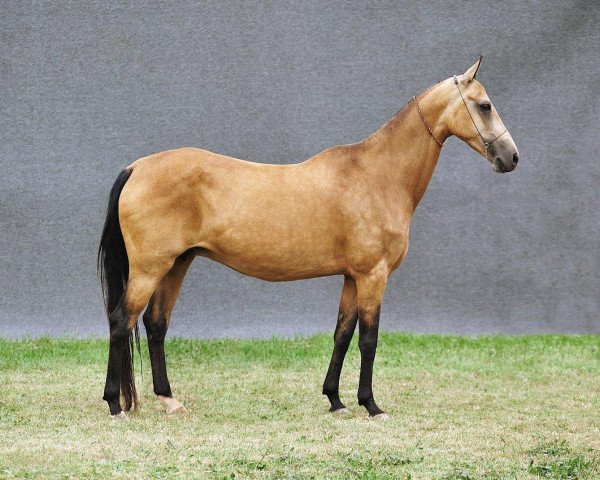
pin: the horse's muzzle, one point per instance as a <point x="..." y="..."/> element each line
<point x="501" y="167"/>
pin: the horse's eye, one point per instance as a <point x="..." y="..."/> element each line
<point x="486" y="107"/>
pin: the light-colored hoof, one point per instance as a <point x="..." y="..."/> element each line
<point x="172" y="406"/>
<point x="342" y="412"/>
<point x="121" y="416"/>
<point x="381" y="417"/>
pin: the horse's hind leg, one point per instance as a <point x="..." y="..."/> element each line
<point x="119" y="375"/>
<point x="346" y="324"/>
<point x="156" y="320"/>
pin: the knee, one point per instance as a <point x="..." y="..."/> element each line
<point x="342" y="337"/>
<point x="346" y="324"/>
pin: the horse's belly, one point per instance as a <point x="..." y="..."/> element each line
<point x="275" y="269"/>
<point x="277" y="259"/>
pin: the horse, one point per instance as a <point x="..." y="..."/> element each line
<point x="345" y="211"/>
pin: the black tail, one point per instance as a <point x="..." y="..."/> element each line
<point x="113" y="270"/>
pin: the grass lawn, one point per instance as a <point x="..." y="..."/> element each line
<point x="485" y="408"/>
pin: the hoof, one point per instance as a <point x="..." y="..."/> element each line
<point x="380" y="417"/>
<point x="341" y="412"/>
<point x="172" y="406"/>
<point x="121" y="416"/>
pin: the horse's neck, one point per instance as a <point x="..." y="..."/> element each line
<point x="403" y="154"/>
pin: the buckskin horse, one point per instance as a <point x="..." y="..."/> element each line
<point x="345" y="211"/>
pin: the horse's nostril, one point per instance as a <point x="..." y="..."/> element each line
<point x="516" y="158"/>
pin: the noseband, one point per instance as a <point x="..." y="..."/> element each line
<point x="486" y="145"/>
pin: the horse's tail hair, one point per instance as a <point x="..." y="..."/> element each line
<point x="113" y="263"/>
<point x="113" y="270"/>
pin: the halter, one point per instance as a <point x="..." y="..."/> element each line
<point x="486" y="145"/>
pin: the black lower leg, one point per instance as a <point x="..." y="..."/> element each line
<point x="119" y="334"/>
<point x="342" y="337"/>
<point x="368" y="331"/>
<point x="156" y="329"/>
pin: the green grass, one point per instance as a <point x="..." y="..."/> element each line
<point x="462" y="409"/>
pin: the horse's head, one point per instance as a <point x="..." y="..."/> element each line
<point x="471" y="116"/>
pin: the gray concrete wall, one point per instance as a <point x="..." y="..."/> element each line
<point x="86" y="88"/>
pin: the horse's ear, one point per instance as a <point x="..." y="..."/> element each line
<point x="471" y="72"/>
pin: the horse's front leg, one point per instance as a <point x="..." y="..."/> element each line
<point x="347" y="317"/>
<point x="370" y="289"/>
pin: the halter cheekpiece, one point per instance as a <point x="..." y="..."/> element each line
<point x="486" y="145"/>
